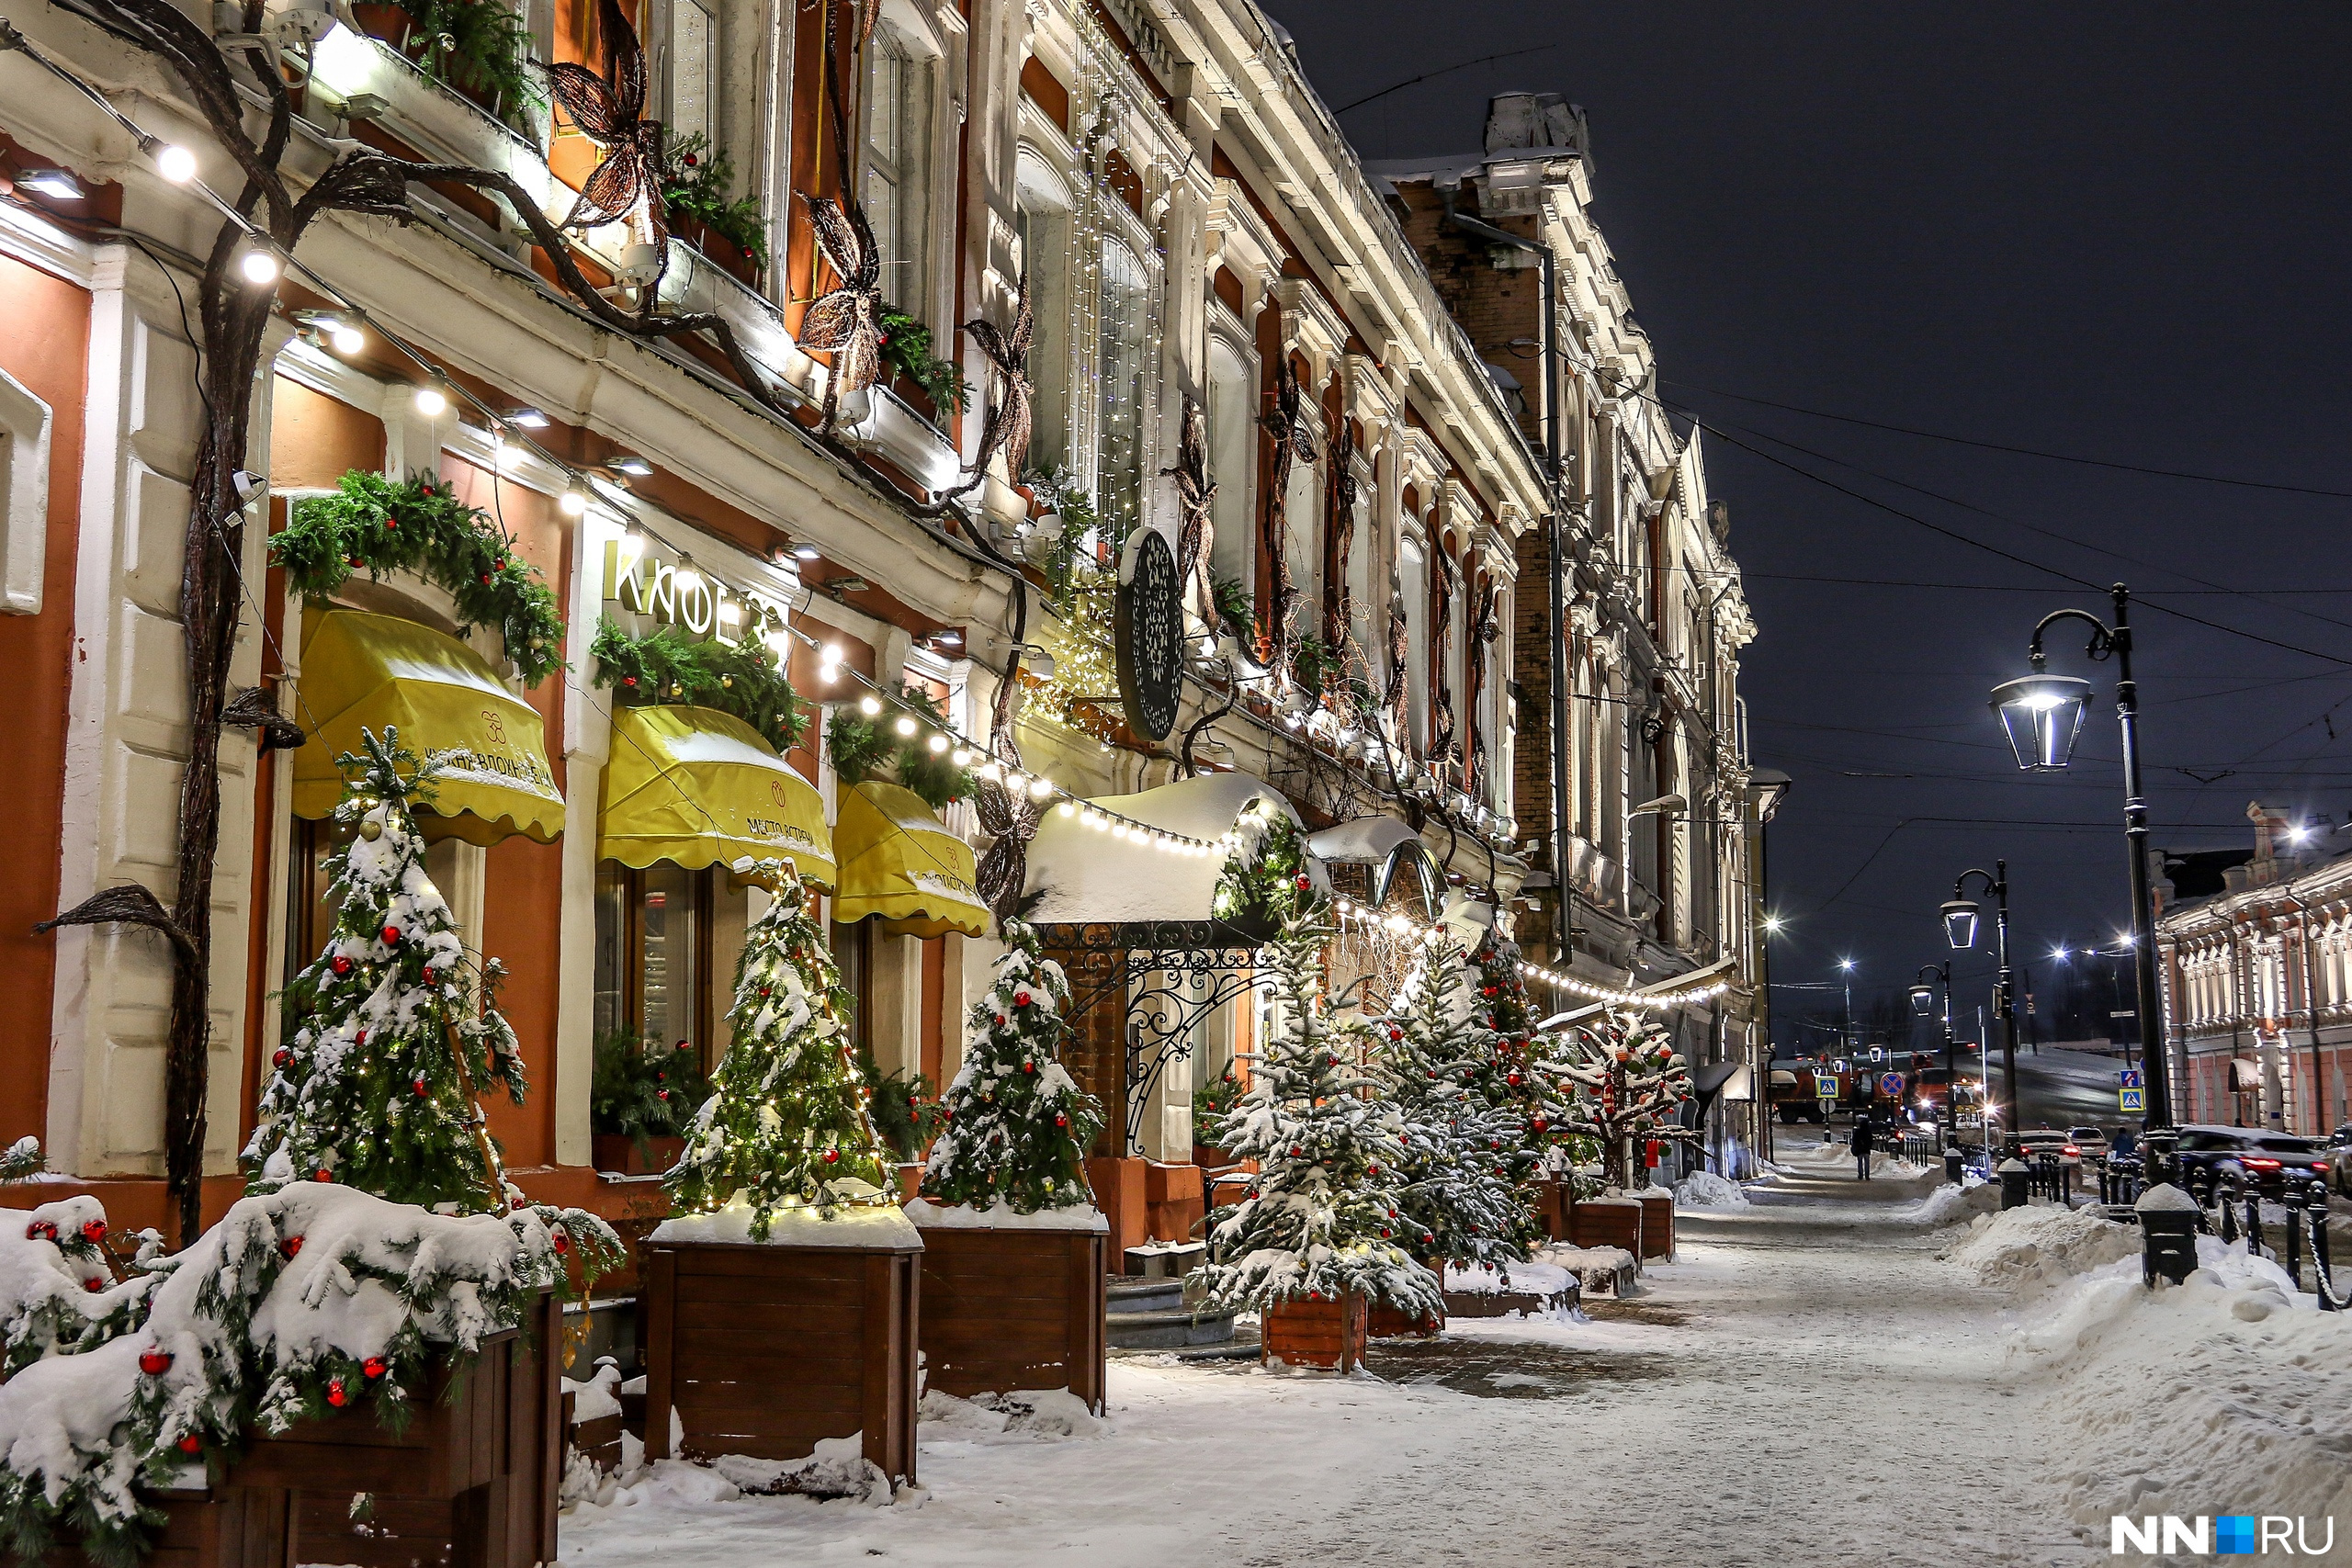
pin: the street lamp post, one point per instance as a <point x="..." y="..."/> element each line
<point x="1959" y="914"/>
<point x="1845" y="1035"/>
<point x="1923" y="1001"/>
<point x="2042" y="713"/>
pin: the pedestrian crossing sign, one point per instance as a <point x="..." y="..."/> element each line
<point x="1825" y="1087"/>
<point x="2131" y="1098"/>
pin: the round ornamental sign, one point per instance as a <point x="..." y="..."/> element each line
<point x="1151" y="636"/>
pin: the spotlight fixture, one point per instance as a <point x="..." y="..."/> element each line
<point x="55" y="183"/>
<point x="629" y="463"/>
<point x="527" y="418"/>
<point x="176" y="163"/>
<point x="431" y="400"/>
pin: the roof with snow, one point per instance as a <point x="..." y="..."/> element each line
<point x="1087" y="877"/>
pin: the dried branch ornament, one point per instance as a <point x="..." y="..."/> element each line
<point x="1484" y="630"/>
<point x="610" y="111"/>
<point x="1449" y="583"/>
<point x="1195" y="497"/>
<point x="846" y="320"/>
<point x="1009" y="419"/>
<point x="1286" y="421"/>
<point x="1343" y="534"/>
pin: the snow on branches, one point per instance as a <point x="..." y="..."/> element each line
<point x="1464" y="1155"/>
<point x="1015" y="1125"/>
<point x="298" y="1304"/>
<point x="394" y="1029"/>
<point x="1630" y="1083"/>
<point x="1322" y="1215"/>
<point x="785" y="1127"/>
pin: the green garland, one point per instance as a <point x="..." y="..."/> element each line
<point x="1265" y="884"/>
<point x="745" y="678"/>
<point x="641" y="1094"/>
<point x="862" y="748"/>
<point x="906" y="348"/>
<point x="418" y="525"/>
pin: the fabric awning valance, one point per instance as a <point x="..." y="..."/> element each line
<point x="696" y="788"/>
<point x="898" y="861"/>
<point x="380" y="672"/>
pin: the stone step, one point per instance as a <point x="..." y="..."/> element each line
<point x="1128" y="1293"/>
<point x="1167" y="1329"/>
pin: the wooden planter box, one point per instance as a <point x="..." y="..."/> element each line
<point x="763" y="1349"/>
<point x="1658" y="1225"/>
<point x="1327" y="1333"/>
<point x="472" y="1482"/>
<point x="1551" y="1204"/>
<point x="1385" y="1322"/>
<point x="1014" y="1309"/>
<point x="618" y="1153"/>
<point x="1606" y="1222"/>
<point x="717" y="249"/>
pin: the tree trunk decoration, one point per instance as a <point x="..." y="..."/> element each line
<point x="1195" y="494"/>
<point x="1483" y="632"/>
<point x="1344" y="537"/>
<point x="1006" y="423"/>
<point x="610" y="111"/>
<point x="1449" y="578"/>
<point x="1399" y="694"/>
<point x="1293" y="442"/>
<point x="846" y="320"/>
<point x="232" y="320"/>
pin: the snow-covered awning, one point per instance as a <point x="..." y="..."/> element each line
<point x="1392" y="850"/>
<point x="1083" y="875"/>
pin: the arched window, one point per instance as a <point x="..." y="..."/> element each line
<point x="1124" y="388"/>
<point x="1413" y="583"/>
<point x="1233" y="461"/>
<point x="900" y="68"/>
<point x="1044" y="216"/>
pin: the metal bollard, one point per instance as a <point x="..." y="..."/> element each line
<point x="2015" y="1176"/>
<point x="2293" y="1261"/>
<point x="2322" y="1277"/>
<point x="1954" y="1162"/>
<point x="2254" y="1219"/>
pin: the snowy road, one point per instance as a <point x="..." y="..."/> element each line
<point x="1807" y="1385"/>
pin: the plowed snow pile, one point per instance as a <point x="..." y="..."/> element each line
<point x="2031" y="1247"/>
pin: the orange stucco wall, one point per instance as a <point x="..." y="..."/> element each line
<point x="45" y="347"/>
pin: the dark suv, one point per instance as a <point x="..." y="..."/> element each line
<point x="2265" y="1159"/>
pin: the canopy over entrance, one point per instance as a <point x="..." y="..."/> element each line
<point x="379" y="672"/>
<point x="898" y="861"/>
<point x="696" y="788"/>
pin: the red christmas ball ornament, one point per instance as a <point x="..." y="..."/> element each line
<point x="631" y="680"/>
<point x="1304" y="882"/>
<point x="831" y="1154"/>
<point x="1539" y="1124"/>
<point x="154" y="1361"/>
<point x="421" y="1090"/>
<point x="291" y="1246"/>
<point x="689" y="160"/>
<point x="335" y="1394"/>
<point x="360" y="1038"/>
<point x="1372" y="1170"/>
<point x="323" y="1174"/>
<point x="662" y="1094"/>
<point x="1330" y="1061"/>
<point x="1061" y="1120"/>
<point x="41" y="1230"/>
<point x="1511" y="1078"/>
<point x="1298" y="1154"/>
<point x="1486" y="990"/>
<point x="427" y="975"/>
<point x="392" y="934"/>
<point x="485" y="578"/>
<point x="688" y="1044"/>
<point x="94" y="1286"/>
<point x="1027" y="1065"/>
<point x="340" y="965"/>
<point x="93" y="1230"/>
<point x="1020" y="999"/>
<point x="1384" y="1232"/>
<point x="374" y="1366"/>
<point x="191" y="1444"/>
<point x="1314" y="1295"/>
<point x="999" y="1021"/>
<point x="562" y="1243"/>
<point x="280" y="1056"/>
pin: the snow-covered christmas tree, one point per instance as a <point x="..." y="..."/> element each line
<point x="1015" y="1125"/>
<point x="1323" y="1215"/>
<point x="786" y="1125"/>
<point x="1629" y="1084"/>
<point x="1464" y="1156"/>
<point x="1503" y="1056"/>
<point x="394" y="1031"/>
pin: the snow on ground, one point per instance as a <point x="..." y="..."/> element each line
<point x="1705" y="1190"/>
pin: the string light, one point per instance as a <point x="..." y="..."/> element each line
<point x="176" y="163"/>
<point x="1658" y="1000"/>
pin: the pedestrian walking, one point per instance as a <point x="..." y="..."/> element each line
<point x="1862" y="1143"/>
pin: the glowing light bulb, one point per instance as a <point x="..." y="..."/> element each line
<point x="906" y="724"/>
<point x="573" y="502"/>
<point x="346" y="338"/>
<point x="869" y="705"/>
<point x="259" y="264"/>
<point x="939" y="743"/>
<point x="1068" y="808"/>
<point x="176" y="163"/>
<point x="432" y="401"/>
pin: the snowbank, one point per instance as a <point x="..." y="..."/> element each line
<point x="876" y="1228"/>
<point x="1598" y="1268"/>
<point x="928" y="1215"/>
<point x="2035" y="1246"/>
<point x="1548" y="1280"/>
<point x="1705" y="1190"/>
<point x="1028" y="1415"/>
<point x="1948" y="1205"/>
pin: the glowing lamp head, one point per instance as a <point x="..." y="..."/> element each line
<point x="2042" y="715"/>
<point x="176" y="163"/>
<point x="258" y="265"/>
<point x="1960" y="922"/>
<point x="573" y="502"/>
<point x="346" y="338"/>
<point x="1923" y="999"/>
<point x="432" y="401"/>
<point x="869" y="705"/>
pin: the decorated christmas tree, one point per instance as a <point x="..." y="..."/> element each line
<point x="786" y="1126"/>
<point x="1503" y="1058"/>
<point x="1015" y="1126"/>
<point x="1323" y="1215"/>
<point x="393" y="1030"/>
<point x="1464" y="1156"/>
<point x="1629" y="1084"/>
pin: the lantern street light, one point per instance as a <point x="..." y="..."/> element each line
<point x="1923" y="1003"/>
<point x="2040" y="714"/>
<point x="1959" y="913"/>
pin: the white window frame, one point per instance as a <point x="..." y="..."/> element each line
<point x="680" y="61"/>
<point x="1041" y="186"/>
<point x="25" y="425"/>
<point x="1233" y="448"/>
<point x="916" y="284"/>
<point x="1413" y="583"/>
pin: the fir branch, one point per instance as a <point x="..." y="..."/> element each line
<point x="744" y="678"/>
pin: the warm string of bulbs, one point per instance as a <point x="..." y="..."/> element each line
<point x="1405" y="925"/>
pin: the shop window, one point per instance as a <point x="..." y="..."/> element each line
<point x="1044" y="216"/>
<point x="653" y="952"/>
<point x="899" y="74"/>
<point x="854" y="956"/>
<point x="1123" y="324"/>
<point x="693" y="71"/>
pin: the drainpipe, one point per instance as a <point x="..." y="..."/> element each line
<point x="1555" y="600"/>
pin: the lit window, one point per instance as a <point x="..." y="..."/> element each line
<point x="1233" y="463"/>
<point x="1124" y="388"/>
<point x="898" y="163"/>
<point x="1044" y="217"/>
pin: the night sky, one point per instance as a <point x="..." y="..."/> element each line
<point x="2115" y="233"/>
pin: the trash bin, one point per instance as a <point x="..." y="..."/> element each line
<point x="1953" y="1167"/>
<point x="2167" y="1233"/>
<point x="2016" y="1177"/>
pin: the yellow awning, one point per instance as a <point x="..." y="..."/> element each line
<point x="698" y="787"/>
<point x="380" y="672"/>
<point x="900" y="862"/>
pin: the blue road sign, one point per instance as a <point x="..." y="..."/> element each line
<point x="2130" y="1077"/>
<point x="2131" y="1098"/>
<point x="1891" y="1083"/>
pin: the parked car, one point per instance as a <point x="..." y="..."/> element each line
<point x="2092" y="1141"/>
<point x="2265" y="1159"/>
<point x="2339" y="1158"/>
<point x="2035" y="1141"/>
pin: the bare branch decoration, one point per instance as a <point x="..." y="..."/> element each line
<point x="1195" y="497"/>
<point x="1007" y="421"/>
<point x="1293" y="442"/>
<point x="610" y="111"/>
